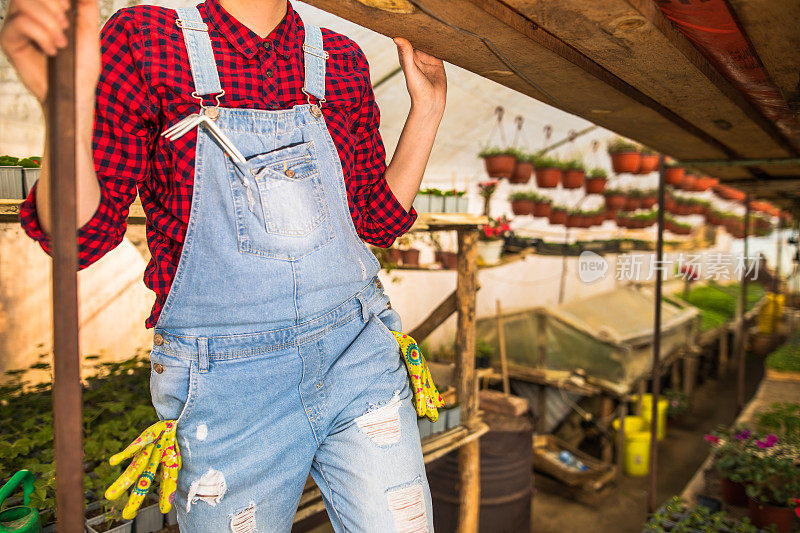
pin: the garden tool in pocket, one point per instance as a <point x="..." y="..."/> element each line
<point x="19" y="518"/>
<point x="427" y="399"/>
<point x="155" y="446"/>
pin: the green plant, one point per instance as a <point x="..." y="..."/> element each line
<point x="620" y="145"/>
<point x="775" y="475"/>
<point x="529" y="195"/>
<point x="675" y="516"/>
<point x="491" y="151"/>
<point x="483" y="349"/>
<point x="787" y="357"/>
<point x="8" y="161"/>
<point x="574" y="164"/>
<point x="597" y="173"/>
<point x="672" y="163"/>
<point x="781" y="419"/>
<point x="647" y="151"/>
<point x="30" y="162"/>
<point x="542" y="161"/>
<point x="614" y="192"/>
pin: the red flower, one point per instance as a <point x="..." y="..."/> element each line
<point x="712" y="439"/>
<point x="797" y="510"/>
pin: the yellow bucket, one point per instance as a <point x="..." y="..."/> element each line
<point x="637" y="445"/>
<point x="770" y="315"/>
<point x="647" y="413"/>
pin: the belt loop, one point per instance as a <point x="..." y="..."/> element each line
<point x="202" y="351"/>
<point x="365" y="313"/>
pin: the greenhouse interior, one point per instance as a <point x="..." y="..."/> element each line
<point x="600" y="271"/>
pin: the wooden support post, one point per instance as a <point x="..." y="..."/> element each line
<point x="67" y="395"/>
<point x="742" y="323"/>
<point x="675" y="376"/>
<point x="623" y="412"/>
<point x="724" y="351"/>
<point x="435" y="319"/>
<point x="469" y="454"/>
<point x="640" y="399"/>
<point x="501" y="338"/>
<point x="689" y="374"/>
<point x="541" y="349"/>
<point x="607" y="410"/>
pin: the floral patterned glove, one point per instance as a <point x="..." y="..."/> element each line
<point x="155" y="446"/>
<point x="427" y="399"/>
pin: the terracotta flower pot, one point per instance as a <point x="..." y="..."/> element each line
<point x="522" y="207"/>
<point x="704" y="183"/>
<point x="713" y="219"/>
<point x="500" y="166"/>
<point x="733" y="493"/>
<point x="647" y="163"/>
<point x="547" y="178"/>
<point x="648" y="202"/>
<point x="394" y="255"/>
<point x="541" y="209"/>
<point x="729" y="193"/>
<point x="673" y="175"/>
<point x="411" y="257"/>
<point x="616" y="202"/>
<point x="447" y="259"/>
<point x="595" y="185"/>
<point x="523" y="170"/>
<point x="557" y="216"/>
<point x="598" y="218"/>
<point x="572" y="179"/>
<point x="632" y="203"/>
<point x="610" y="214"/>
<point x="763" y="515"/>
<point x="625" y="162"/>
<point x="622" y="221"/>
<point x="689" y="182"/>
<point x="574" y="221"/>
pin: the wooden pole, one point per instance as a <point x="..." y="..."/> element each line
<point x="541" y="348"/>
<point x="469" y="454"/>
<point x="501" y="336"/>
<point x="651" y="493"/>
<point x="67" y="397"/>
<point x="724" y="350"/>
<point x="741" y="324"/>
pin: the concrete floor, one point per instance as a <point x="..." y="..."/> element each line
<point x="681" y="453"/>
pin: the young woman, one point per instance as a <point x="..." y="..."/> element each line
<point x="273" y="350"/>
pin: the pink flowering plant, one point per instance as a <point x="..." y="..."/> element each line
<point x="734" y="449"/>
<point x="496" y="229"/>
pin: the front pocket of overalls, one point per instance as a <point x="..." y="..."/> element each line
<point x="173" y="386"/>
<point x="289" y="218"/>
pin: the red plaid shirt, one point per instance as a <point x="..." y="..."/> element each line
<point x="146" y="84"/>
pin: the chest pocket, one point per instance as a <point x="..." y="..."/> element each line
<point x="280" y="203"/>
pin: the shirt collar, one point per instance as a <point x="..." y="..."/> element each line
<point x="285" y="38"/>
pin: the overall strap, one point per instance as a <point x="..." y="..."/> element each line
<point x="201" y="55"/>
<point x="314" y="56"/>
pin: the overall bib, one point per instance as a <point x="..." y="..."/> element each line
<point x="273" y="350"/>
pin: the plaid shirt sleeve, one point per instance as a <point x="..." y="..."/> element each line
<point x="120" y="146"/>
<point x="383" y="217"/>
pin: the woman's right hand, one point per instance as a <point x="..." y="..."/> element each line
<point x="35" y="29"/>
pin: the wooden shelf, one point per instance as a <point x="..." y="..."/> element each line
<point x="9" y="212"/>
<point x="447" y="221"/>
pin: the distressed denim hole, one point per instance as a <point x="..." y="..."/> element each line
<point x="382" y="424"/>
<point x="244" y="521"/>
<point x="407" y="504"/>
<point x="210" y="488"/>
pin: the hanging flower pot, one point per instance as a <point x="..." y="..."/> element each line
<point x="596" y="181"/>
<point x="713" y="218"/>
<point x="674" y="175"/>
<point x="625" y="156"/>
<point x="574" y="220"/>
<point x="411" y="257"/>
<point x="648" y="200"/>
<point x="704" y="183"/>
<point x="448" y="260"/>
<point x="558" y="215"/>
<point x="573" y="175"/>
<point x="548" y="172"/>
<point x="523" y="170"/>
<point x="615" y="200"/>
<point x="522" y="206"/>
<point x="632" y="203"/>
<point x="648" y="162"/>
<point x="541" y="209"/>
<point x="499" y="162"/>
<point x="598" y="218"/>
<point x="610" y="214"/>
<point x="689" y="182"/>
<point x="729" y="193"/>
<point x="763" y="515"/>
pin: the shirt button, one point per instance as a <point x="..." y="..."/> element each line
<point x="269" y="73"/>
<point x="158" y="340"/>
<point x="267" y="45"/>
<point x="159" y="368"/>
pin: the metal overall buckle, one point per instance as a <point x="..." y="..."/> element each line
<point x="315" y="109"/>
<point x="211" y="111"/>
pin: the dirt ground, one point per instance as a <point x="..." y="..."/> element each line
<point x="681" y="453"/>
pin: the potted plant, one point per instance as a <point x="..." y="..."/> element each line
<point x="499" y="162"/>
<point x="649" y="198"/>
<point x="111" y="520"/>
<point x="149" y="518"/>
<point x="679" y="228"/>
<point x="678" y="403"/>
<point x="596" y="180"/>
<point x="450" y="199"/>
<point x="486" y="190"/>
<point x="422" y="202"/>
<point x="733" y="452"/>
<point x="714" y="217"/>
<point x="408" y="254"/>
<point x="11" y="181"/>
<point x="490" y="240"/>
<point x="704" y="183"/>
<point x="575" y="219"/>
<point x="648" y="162"/>
<point x="522" y="202"/>
<point x="729" y="193"/>
<point x="462" y="202"/>
<point x="673" y="173"/>
<point x="483" y="354"/>
<point x="774" y="483"/>
<point x="31" y="166"/>
<point x="573" y="173"/>
<point x="548" y="172"/>
<point x="558" y="215"/>
<point x="615" y="199"/>
<point x="625" y="156"/>
<point x="523" y="168"/>
<point x="634" y="200"/>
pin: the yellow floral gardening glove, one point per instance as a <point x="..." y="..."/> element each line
<point x="155" y="446"/>
<point x="427" y="399"/>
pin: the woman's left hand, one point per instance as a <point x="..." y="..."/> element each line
<point x="425" y="77"/>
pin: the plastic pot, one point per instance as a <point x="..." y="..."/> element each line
<point x="648" y="202"/>
<point x="149" y="519"/>
<point x="97" y="525"/>
<point x="625" y="162"/>
<point x="410" y="257"/>
<point x="447" y="259"/>
<point x="647" y="163"/>
<point x="422" y="203"/>
<point x="632" y="203"/>
<point x="541" y="209"/>
<point x="616" y="202"/>
<point x="733" y="493"/>
<point x="763" y="515"/>
<point x="394" y="255"/>
<point x="489" y="251"/>
<point x="523" y="170"/>
<point x="11" y="183"/>
<point x="31" y="176"/>
<point x="500" y="166"/>
<point x="689" y="182"/>
<point x="522" y="206"/>
<point x="436" y="204"/>
<point x="595" y="185"/>
<point x="574" y="221"/>
<point x="572" y="179"/>
<point x="557" y="216"/>
<point x="673" y="175"/>
<point x="610" y="214"/>
<point x="450" y="204"/>
<point x="729" y="193"/>
<point x="462" y="204"/>
<point x="547" y="178"/>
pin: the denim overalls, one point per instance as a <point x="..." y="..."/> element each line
<point x="273" y="350"/>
